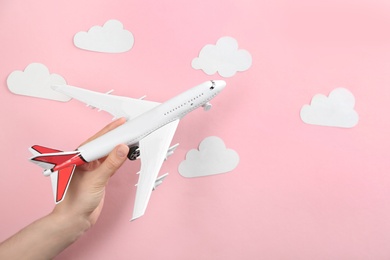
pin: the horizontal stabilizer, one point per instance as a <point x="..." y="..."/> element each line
<point x="47" y="158"/>
<point x="54" y="158"/>
<point x="37" y="149"/>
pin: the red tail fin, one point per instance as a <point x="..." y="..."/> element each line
<point x="60" y="181"/>
<point x="59" y="165"/>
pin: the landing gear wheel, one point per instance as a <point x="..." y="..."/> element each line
<point x="134" y="153"/>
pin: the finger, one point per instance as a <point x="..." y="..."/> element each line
<point x="106" y="129"/>
<point x="112" y="163"/>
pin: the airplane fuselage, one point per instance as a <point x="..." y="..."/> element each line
<point x="141" y="126"/>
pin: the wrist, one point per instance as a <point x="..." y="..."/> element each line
<point x="69" y="227"/>
<point x="44" y="238"/>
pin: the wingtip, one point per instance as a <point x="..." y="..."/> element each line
<point x="135" y="217"/>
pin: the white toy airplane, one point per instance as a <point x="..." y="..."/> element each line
<point x="148" y="132"/>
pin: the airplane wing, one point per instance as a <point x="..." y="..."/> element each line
<point x="115" y="105"/>
<point x="153" y="149"/>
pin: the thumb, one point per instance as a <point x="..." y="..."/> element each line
<point x="112" y="163"/>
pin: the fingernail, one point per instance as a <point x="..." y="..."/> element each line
<point x="122" y="151"/>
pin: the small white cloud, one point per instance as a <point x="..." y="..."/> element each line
<point x="224" y="58"/>
<point x="212" y="158"/>
<point x="36" y="81"/>
<point x="111" y="38"/>
<point x="336" y="110"/>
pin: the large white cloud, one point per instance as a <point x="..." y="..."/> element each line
<point x="111" y="38"/>
<point x="36" y="81"/>
<point x="224" y="58"/>
<point x="336" y="110"/>
<point x="212" y="158"/>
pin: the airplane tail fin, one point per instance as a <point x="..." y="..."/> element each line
<point x="60" y="181"/>
<point x="48" y="158"/>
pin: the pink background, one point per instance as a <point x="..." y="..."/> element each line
<point x="299" y="192"/>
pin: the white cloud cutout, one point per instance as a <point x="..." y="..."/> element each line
<point x="111" y="38"/>
<point x="36" y="81"/>
<point x="336" y="110"/>
<point x="212" y="158"/>
<point x="224" y="58"/>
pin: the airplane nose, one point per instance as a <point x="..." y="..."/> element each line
<point x="220" y="84"/>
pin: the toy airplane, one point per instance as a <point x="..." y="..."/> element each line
<point x="148" y="132"/>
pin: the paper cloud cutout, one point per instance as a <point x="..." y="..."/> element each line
<point x="111" y="38"/>
<point x="212" y="158"/>
<point x="224" y="58"/>
<point x="36" y="81"/>
<point x="336" y="110"/>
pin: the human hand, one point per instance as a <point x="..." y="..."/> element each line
<point x="48" y="236"/>
<point x="85" y="195"/>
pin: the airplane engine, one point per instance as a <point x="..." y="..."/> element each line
<point x="207" y="106"/>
